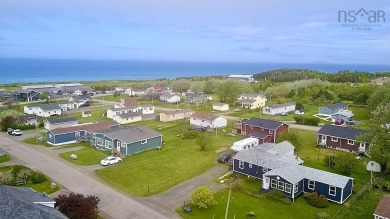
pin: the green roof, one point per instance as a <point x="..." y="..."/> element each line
<point x="49" y="106"/>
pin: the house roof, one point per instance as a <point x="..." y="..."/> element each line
<point x="61" y="120"/>
<point x="173" y="112"/>
<point x="381" y="80"/>
<point x="20" y="202"/>
<point x="336" y="106"/>
<point x="345" y="113"/>
<point x="129" y="102"/>
<point x="262" y="123"/>
<point x="281" y="105"/>
<point x="132" y="134"/>
<point x="193" y="95"/>
<point x="263" y="155"/>
<point x="279" y="148"/>
<point x="383" y="208"/>
<point x="168" y="95"/>
<point x="205" y="116"/>
<point x="252" y="95"/>
<point x="49" y="106"/>
<point x="258" y="135"/>
<point x="129" y="114"/>
<point x="341" y="132"/>
<point x="295" y="173"/>
<point x="219" y="104"/>
<point x="90" y="127"/>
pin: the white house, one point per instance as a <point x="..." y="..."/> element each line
<point x="220" y="106"/>
<point x="170" y="98"/>
<point x="135" y="92"/>
<point x="245" y="78"/>
<point x="244" y="144"/>
<point x="279" y="108"/>
<point x="44" y="110"/>
<point x="54" y="123"/>
<point x="129" y="117"/>
<point x="207" y="120"/>
<point x="127" y="106"/>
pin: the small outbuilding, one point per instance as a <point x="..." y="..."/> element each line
<point x="220" y="106"/>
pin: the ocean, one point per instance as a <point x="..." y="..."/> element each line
<point x="42" y="70"/>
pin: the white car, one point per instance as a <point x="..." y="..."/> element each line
<point x="110" y="160"/>
<point x="16" y="132"/>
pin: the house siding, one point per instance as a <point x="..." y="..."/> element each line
<point x="340" y="144"/>
<point x="323" y="189"/>
<point x="59" y="139"/>
<point x="137" y="147"/>
<point x="290" y="194"/>
<point x="256" y="171"/>
<point x="347" y="190"/>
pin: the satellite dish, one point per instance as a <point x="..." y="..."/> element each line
<point x="373" y="166"/>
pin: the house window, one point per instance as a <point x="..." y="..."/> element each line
<point x="335" y="139"/>
<point x="271" y="132"/>
<point x="332" y="190"/>
<point x="99" y="141"/>
<point x="262" y="128"/>
<point x="241" y="164"/>
<point x="287" y="188"/>
<point x="280" y="185"/>
<point x="108" y="144"/>
<point x="273" y="183"/>
<point x="351" y="142"/>
<point x="250" y="165"/>
<point x="118" y="143"/>
<point x="144" y="141"/>
<point x="50" y="136"/>
<point x="311" y="185"/>
<point x="296" y="187"/>
<point x="266" y="179"/>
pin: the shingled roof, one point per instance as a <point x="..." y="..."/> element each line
<point x="262" y="123"/>
<point x="383" y="208"/>
<point x="62" y="120"/>
<point x="90" y="127"/>
<point x="205" y="116"/>
<point x="132" y="134"/>
<point x="341" y="132"/>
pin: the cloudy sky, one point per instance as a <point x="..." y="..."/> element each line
<point x="280" y="31"/>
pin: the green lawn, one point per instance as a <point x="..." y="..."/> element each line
<point x="85" y="156"/>
<point x="96" y="115"/>
<point x="4" y="159"/>
<point x="34" y="141"/>
<point x="154" y="171"/>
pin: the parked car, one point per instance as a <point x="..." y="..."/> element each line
<point x="16" y="132"/>
<point x="9" y="130"/>
<point x="110" y="160"/>
<point x="224" y="158"/>
<point x="237" y="110"/>
<point x="339" y="121"/>
<point x="284" y="113"/>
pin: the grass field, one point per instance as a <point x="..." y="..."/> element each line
<point x="85" y="156"/>
<point x="154" y="171"/>
<point x="4" y="159"/>
<point x="96" y="115"/>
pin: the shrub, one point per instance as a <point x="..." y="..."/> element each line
<point x="318" y="201"/>
<point x="251" y="214"/>
<point x="286" y="201"/>
<point x="7" y="178"/>
<point x="329" y="160"/>
<point x="202" y="197"/>
<point x="274" y="194"/>
<point x="305" y="120"/>
<point x="323" y="215"/>
<point x="37" y="177"/>
<point x="190" y="135"/>
<point x="235" y="184"/>
<point x="24" y="175"/>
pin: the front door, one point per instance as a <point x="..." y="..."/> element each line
<point x="118" y="146"/>
<point x="266" y="182"/>
<point x="323" y="138"/>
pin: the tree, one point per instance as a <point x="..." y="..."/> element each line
<point x="209" y="86"/>
<point x="346" y="163"/>
<point x="380" y="96"/>
<point x="379" y="137"/>
<point x="44" y="95"/>
<point x="299" y="106"/>
<point x="78" y="206"/>
<point x="290" y="136"/>
<point x="228" y="90"/>
<point x="181" y="86"/>
<point x="202" y="197"/>
<point x="203" y="140"/>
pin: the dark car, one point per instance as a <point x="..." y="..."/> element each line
<point x="224" y="158"/>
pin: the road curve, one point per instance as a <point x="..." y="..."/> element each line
<point x="112" y="202"/>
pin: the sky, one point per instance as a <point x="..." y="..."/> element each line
<point x="258" y="31"/>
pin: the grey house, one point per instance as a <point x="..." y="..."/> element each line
<point x="54" y="123"/>
<point x="127" y="141"/>
<point x="25" y="203"/>
<point x="333" y="108"/>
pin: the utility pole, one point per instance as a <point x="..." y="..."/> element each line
<point x="228" y="202"/>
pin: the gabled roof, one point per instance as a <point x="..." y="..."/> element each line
<point x="90" y="127"/>
<point x="205" y="116"/>
<point x="61" y="120"/>
<point x="219" y="104"/>
<point x="341" y="132"/>
<point x="383" y="208"/>
<point x="262" y="123"/>
<point x="249" y="101"/>
<point x="129" y="114"/>
<point x="49" y="106"/>
<point x="296" y="173"/>
<point x="20" y="202"/>
<point x="279" y="148"/>
<point x="252" y="95"/>
<point x="168" y="95"/>
<point x="129" y="102"/>
<point x="258" y="135"/>
<point x="173" y="112"/>
<point x="340" y="105"/>
<point x="281" y="105"/>
<point x="132" y="134"/>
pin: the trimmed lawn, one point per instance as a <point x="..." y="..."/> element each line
<point x="4" y="159"/>
<point x="96" y="115"/>
<point x="155" y="171"/>
<point x="85" y="156"/>
<point x="33" y="141"/>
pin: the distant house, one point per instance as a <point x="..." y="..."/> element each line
<point x="81" y="132"/>
<point x="121" y="89"/>
<point x="44" y="110"/>
<point x="127" y="106"/>
<point x="127" y="141"/>
<point x="22" y="202"/>
<point x="263" y="129"/>
<point x="135" y="92"/>
<point x="347" y="116"/>
<point x="80" y="91"/>
<point x="128" y="117"/>
<point x="206" y="120"/>
<point x="31" y="120"/>
<point x="244" y="78"/>
<point x="170" y="98"/>
<point x="279" y="108"/>
<point x="380" y="81"/>
<point x="251" y="101"/>
<point x="54" y="123"/>
<point x="294" y="180"/>
<point x="173" y="115"/>
<point x="4" y="93"/>
<point x="382" y="210"/>
<point x="195" y="98"/>
<point x="26" y="95"/>
<point x="342" y="138"/>
<point x="158" y="89"/>
<point x="259" y="159"/>
<point x="220" y="106"/>
<point x="333" y="108"/>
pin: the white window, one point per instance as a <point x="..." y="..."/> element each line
<point x="280" y="185"/>
<point x="287" y="188"/>
<point x="50" y="136"/>
<point x="335" y="139"/>
<point x="351" y="142"/>
<point x="251" y="127"/>
<point x="99" y="141"/>
<point x="144" y="141"/>
<point x="311" y="185"/>
<point x="107" y="144"/>
<point x="262" y="128"/>
<point x="332" y="190"/>
<point x="77" y="134"/>
<point x="241" y="164"/>
<point x="296" y="187"/>
<point x="271" y="132"/>
<point x="267" y="179"/>
<point x="273" y="183"/>
<point x="118" y="143"/>
<point x="250" y="165"/>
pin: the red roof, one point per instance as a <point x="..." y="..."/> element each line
<point x="383" y="208"/>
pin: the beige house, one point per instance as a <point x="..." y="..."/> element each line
<point x="220" y="106"/>
<point x="129" y="117"/>
<point x="175" y="115"/>
<point x="251" y="101"/>
<point x="380" y="81"/>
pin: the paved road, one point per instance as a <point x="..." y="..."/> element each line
<point x="113" y="203"/>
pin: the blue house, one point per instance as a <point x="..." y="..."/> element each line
<point x="333" y="108"/>
<point x="26" y="95"/>
<point x="295" y="180"/>
<point x="262" y="158"/>
<point x="127" y="141"/>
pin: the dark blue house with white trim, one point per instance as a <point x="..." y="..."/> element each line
<point x="296" y="179"/>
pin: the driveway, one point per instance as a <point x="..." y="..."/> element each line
<point x="112" y="203"/>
